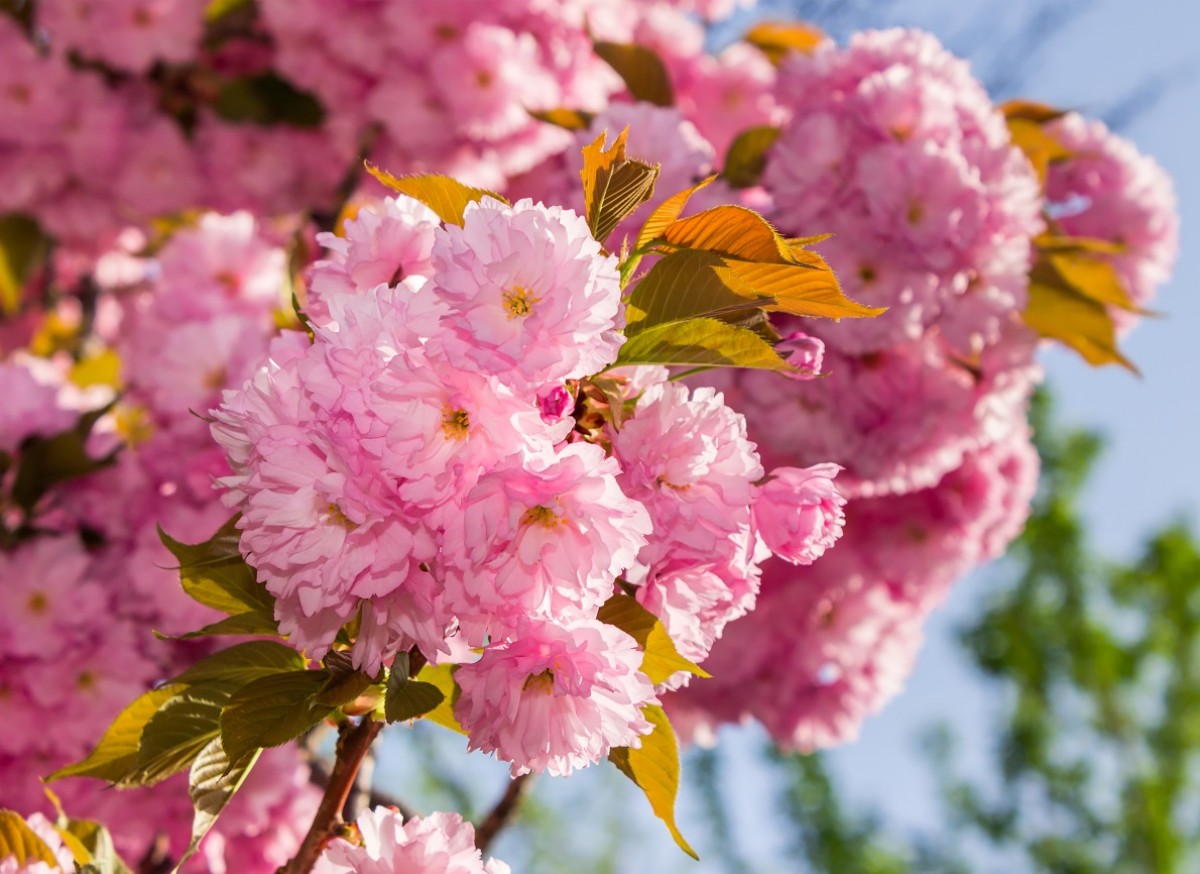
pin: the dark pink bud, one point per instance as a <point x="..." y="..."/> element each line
<point x="803" y="352"/>
<point x="553" y="402"/>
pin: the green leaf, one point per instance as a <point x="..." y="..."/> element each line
<point x="642" y="71"/>
<point x="22" y="247"/>
<point x="20" y="842"/>
<point x="178" y="732"/>
<point x="255" y="622"/>
<point x="661" y="659"/>
<point x="268" y="99"/>
<point x="243" y="663"/>
<point x="345" y="682"/>
<point x="654" y="767"/>
<point x="116" y="753"/>
<point x="685" y="285"/>
<point x="45" y="462"/>
<point x="777" y="40"/>
<point x="747" y="156"/>
<point x="220" y="8"/>
<point x="409" y="699"/>
<point x="215" y="574"/>
<point x="700" y="342"/>
<point x="568" y="119"/>
<point x="613" y="186"/>
<point x="272" y="711"/>
<point x="442" y="678"/>
<point x="212" y="782"/>
<point x="445" y="196"/>
<point x="88" y="838"/>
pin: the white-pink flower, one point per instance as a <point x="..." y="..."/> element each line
<point x="556" y="698"/>
<point x="440" y="843"/>
<point x="383" y="244"/>
<point x="798" y="512"/>
<point x="532" y="298"/>
<point x="543" y="536"/>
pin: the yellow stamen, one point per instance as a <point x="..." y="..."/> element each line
<point x="38" y="603"/>
<point x="519" y="301"/>
<point x="456" y="423"/>
<point x="334" y="514"/>
<point x="543" y="516"/>
<point x="543" y="682"/>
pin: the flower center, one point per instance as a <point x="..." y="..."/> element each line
<point x="519" y="301"/>
<point x="543" y="516"/>
<point x="38" y="603"/>
<point x="334" y="514"/>
<point x="664" y="482"/>
<point x="543" y="682"/>
<point x="456" y="423"/>
<point x="85" y="680"/>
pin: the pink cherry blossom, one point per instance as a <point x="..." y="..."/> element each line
<point x="532" y="298"/>
<point x="440" y="843"/>
<point x="798" y="512"/>
<point x="555" y="697"/>
<point x="546" y="536"/>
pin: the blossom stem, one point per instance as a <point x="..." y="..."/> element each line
<point x="352" y="747"/>
<point x="504" y="811"/>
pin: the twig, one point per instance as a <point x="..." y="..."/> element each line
<point x="505" y="809"/>
<point x="352" y="747"/>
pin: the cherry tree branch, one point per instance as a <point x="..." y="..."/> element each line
<point x="353" y="745"/>
<point x="504" y="811"/>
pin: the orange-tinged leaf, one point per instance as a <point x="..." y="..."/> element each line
<point x="747" y="156"/>
<point x="445" y="196"/>
<point x="777" y="39"/>
<point x="1053" y="242"/>
<point x="686" y="285"/>
<point x="20" y="842"/>
<point x="1091" y="276"/>
<point x="1031" y="110"/>
<point x="613" y="186"/>
<point x="642" y="71"/>
<point x="731" y="231"/>
<point x="797" y="289"/>
<point x="1080" y="322"/>
<point x="1040" y="146"/>
<point x="654" y="768"/>
<point x="701" y="343"/>
<point x="667" y="211"/>
<point x="568" y="119"/>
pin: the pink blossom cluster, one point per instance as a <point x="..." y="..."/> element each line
<point x="383" y="843"/>
<point x="419" y="466"/>
<point x="86" y="155"/>
<point x="924" y="407"/>
<point x="1108" y="190"/>
<point x="78" y="600"/>
<point x="896" y="150"/>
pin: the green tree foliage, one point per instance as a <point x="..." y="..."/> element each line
<point x="1096" y="665"/>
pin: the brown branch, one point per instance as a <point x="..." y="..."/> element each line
<point x="353" y="745"/>
<point x="504" y="811"/>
